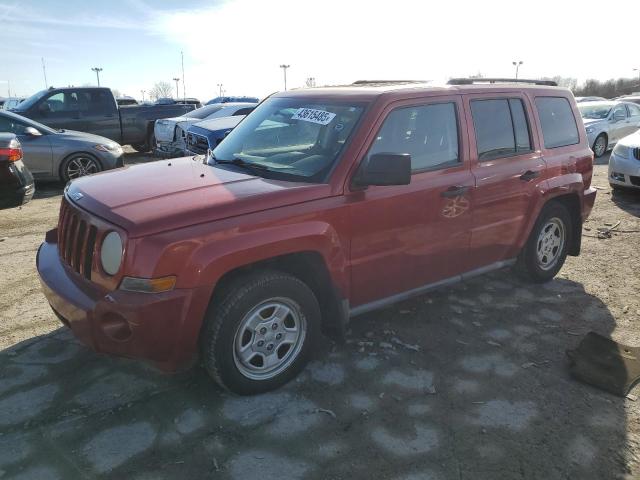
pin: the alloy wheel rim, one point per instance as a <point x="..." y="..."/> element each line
<point x="81" y="166"/>
<point x="550" y="243"/>
<point x="269" y="338"/>
<point x="599" y="146"/>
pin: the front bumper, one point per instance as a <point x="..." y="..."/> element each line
<point x="162" y="328"/>
<point x="624" y="171"/>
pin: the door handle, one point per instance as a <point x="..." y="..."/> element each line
<point x="529" y="175"/>
<point x="455" y="191"/>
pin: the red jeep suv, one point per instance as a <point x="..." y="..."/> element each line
<point x="322" y="204"/>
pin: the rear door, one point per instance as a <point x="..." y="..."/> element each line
<point x="634" y="118"/>
<point x="507" y="165"/>
<point x="408" y="236"/>
<point x="618" y="123"/>
<point x="100" y="113"/>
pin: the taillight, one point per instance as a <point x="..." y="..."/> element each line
<point x="13" y="153"/>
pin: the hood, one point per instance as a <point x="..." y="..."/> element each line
<point x="82" y="136"/>
<point x="592" y="121"/>
<point x="165" y="195"/>
<point x="632" y="141"/>
<point x="174" y="119"/>
<point x="220" y="123"/>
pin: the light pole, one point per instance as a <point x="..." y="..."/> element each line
<point x="517" y="65"/>
<point x="142" y="92"/>
<point x="97" y="70"/>
<point x="284" y="69"/>
<point x="637" y="70"/>
<point x="177" y="90"/>
<point x="219" y="89"/>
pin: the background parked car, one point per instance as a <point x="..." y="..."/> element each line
<point x="61" y="154"/>
<point x="607" y="122"/>
<point x="590" y="99"/>
<point x="16" y="182"/>
<point x="233" y="99"/>
<point x="12" y="102"/>
<point x="170" y="132"/>
<point x="624" y="163"/>
<point x="126" y="101"/>
<point x="208" y="134"/>
<point x="94" y="110"/>
<point x="631" y="98"/>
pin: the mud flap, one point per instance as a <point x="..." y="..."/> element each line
<point x="603" y="363"/>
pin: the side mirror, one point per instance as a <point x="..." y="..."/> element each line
<point x="32" y="132"/>
<point x="385" y="169"/>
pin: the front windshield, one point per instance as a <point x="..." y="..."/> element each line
<point x="595" y="111"/>
<point x="204" y="112"/>
<point x="32" y="100"/>
<point x="20" y="123"/>
<point x="290" y="138"/>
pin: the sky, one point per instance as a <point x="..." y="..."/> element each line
<point x="242" y="43"/>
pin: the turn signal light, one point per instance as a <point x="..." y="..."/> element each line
<point x="148" y="285"/>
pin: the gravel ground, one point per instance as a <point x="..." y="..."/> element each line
<point x="469" y="382"/>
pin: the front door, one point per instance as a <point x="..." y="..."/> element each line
<point x="507" y="165"/>
<point x="404" y="237"/>
<point x="38" y="155"/>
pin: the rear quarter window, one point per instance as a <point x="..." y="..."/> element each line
<point x="559" y="127"/>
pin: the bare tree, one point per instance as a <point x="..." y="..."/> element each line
<point x="608" y="89"/>
<point x="161" y="90"/>
<point x="116" y="92"/>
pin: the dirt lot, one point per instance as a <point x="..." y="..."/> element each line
<point x="486" y="394"/>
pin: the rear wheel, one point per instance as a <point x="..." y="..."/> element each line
<point x="600" y="145"/>
<point x="261" y="332"/>
<point x="547" y="246"/>
<point x="79" y="165"/>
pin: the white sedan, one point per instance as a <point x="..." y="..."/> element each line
<point x="170" y="132"/>
<point x="624" y="163"/>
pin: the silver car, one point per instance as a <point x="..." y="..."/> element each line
<point x="61" y="154"/>
<point x="170" y="133"/>
<point x="624" y="163"/>
<point x="607" y="122"/>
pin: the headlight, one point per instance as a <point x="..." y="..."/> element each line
<point x="111" y="253"/>
<point x="107" y="147"/>
<point x="590" y="130"/>
<point x="621" y="151"/>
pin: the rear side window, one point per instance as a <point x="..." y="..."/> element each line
<point x="634" y="110"/>
<point x="559" y="127"/>
<point x="429" y="133"/>
<point x="501" y="128"/>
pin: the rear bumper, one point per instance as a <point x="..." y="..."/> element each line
<point x="16" y="185"/>
<point x="588" y="199"/>
<point x="161" y="328"/>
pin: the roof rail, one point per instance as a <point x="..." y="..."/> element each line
<point x="366" y="82"/>
<point x="471" y="81"/>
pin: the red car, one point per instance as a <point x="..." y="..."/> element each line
<point x="322" y="204"/>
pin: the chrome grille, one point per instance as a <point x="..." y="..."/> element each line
<point x="636" y="153"/>
<point x="76" y="239"/>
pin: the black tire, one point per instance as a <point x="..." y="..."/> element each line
<point x="602" y="150"/>
<point x="79" y="165"/>
<point x="227" y="317"/>
<point x="529" y="264"/>
<point x="140" y="147"/>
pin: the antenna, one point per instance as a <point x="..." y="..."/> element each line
<point x="44" y="71"/>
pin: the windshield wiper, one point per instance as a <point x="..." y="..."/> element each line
<point x="238" y="162"/>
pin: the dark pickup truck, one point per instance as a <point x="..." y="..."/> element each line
<point x="95" y="110"/>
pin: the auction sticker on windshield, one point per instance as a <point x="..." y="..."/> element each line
<point x="312" y="115"/>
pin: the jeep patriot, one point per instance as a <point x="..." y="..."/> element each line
<point x="322" y="204"/>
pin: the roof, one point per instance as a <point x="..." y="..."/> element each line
<point x="402" y="88"/>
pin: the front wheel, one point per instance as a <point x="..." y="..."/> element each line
<point x="79" y="165"/>
<point x="600" y="145"/>
<point x="260" y="332"/>
<point x="547" y="246"/>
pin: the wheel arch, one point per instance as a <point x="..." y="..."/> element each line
<point x="78" y="152"/>
<point x="310" y="267"/>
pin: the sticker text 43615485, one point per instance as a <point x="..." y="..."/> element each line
<point x="321" y="117"/>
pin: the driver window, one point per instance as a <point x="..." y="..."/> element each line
<point x="620" y="111"/>
<point x="429" y="133"/>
